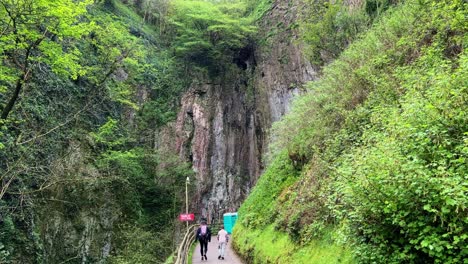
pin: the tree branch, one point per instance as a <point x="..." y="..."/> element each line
<point x="74" y="116"/>
<point x="22" y="79"/>
<point x="19" y="84"/>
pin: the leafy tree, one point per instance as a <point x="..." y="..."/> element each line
<point x="32" y="34"/>
<point x="71" y="150"/>
<point x="206" y="31"/>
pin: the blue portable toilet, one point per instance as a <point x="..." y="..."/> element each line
<point x="229" y="221"/>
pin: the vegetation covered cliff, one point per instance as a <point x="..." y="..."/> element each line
<point x="107" y="106"/>
<point x="225" y="116"/>
<point x="370" y="165"/>
<point x="351" y="115"/>
<point x="84" y="88"/>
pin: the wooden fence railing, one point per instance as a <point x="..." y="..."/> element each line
<point x="184" y="247"/>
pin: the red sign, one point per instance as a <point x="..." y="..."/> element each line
<point x="186" y="217"/>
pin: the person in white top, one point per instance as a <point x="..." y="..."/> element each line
<point x="223" y="238"/>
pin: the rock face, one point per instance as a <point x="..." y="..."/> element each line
<point x="223" y="124"/>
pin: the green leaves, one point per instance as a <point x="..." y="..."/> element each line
<point x="329" y="27"/>
<point x="74" y="148"/>
<point x="29" y="25"/>
<point x="35" y="32"/>
<point x="206" y="31"/>
<point x="109" y="134"/>
<point x="383" y="137"/>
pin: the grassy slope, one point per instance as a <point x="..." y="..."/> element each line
<point x="255" y="235"/>
<point x="374" y="130"/>
<point x="270" y="246"/>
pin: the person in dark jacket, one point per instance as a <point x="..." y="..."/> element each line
<point x="204" y="236"/>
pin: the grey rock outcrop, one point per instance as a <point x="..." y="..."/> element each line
<point x="222" y="127"/>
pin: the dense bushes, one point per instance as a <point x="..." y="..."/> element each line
<point x="279" y="175"/>
<point x="205" y="35"/>
<point x="383" y="134"/>
<point x="78" y="169"/>
<point x="413" y="165"/>
<point x="328" y="27"/>
<point x="207" y="31"/>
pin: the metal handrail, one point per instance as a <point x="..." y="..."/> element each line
<point x="184" y="247"/>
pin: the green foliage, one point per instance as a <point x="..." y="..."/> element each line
<point x="7" y="233"/>
<point x="258" y="8"/>
<point x="35" y="33"/>
<point x="75" y="151"/>
<point x="108" y="134"/>
<point x="260" y="207"/>
<point x="270" y="246"/>
<point x="375" y="7"/>
<point x="328" y="27"/>
<point x="167" y="84"/>
<point x="381" y="144"/>
<point x="137" y="249"/>
<point x="139" y="246"/>
<point x="206" y="32"/>
<point x="41" y="26"/>
<point x="415" y="169"/>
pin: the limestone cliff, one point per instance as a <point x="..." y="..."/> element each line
<point x="223" y="124"/>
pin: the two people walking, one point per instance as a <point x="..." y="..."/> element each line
<point x="204" y="237"/>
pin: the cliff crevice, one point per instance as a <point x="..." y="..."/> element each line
<point x="223" y="125"/>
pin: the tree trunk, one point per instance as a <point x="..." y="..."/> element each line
<point x="6" y="111"/>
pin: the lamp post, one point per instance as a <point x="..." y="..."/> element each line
<point x="187" y="181"/>
<point x="219" y="215"/>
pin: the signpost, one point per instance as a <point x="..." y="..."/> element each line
<point x="187" y="181"/>
<point x="186" y="217"/>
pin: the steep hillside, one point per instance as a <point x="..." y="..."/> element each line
<point x="107" y="106"/>
<point x="108" y="109"/>
<point x="84" y="87"/>
<point x="371" y="163"/>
